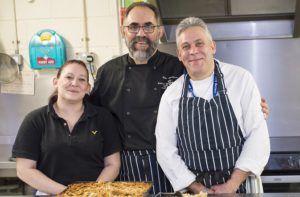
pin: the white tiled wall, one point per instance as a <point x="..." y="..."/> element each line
<point x="6" y="10"/>
<point x="66" y="18"/>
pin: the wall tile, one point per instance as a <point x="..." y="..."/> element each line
<point x="103" y="31"/>
<point x="113" y="8"/>
<point x="66" y="8"/>
<point x="7" y="35"/>
<point x="6" y="10"/>
<point x="98" y="8"/>
<point x="38" y="9"/>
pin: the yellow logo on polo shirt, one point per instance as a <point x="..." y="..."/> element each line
<point x="94" y="132"/>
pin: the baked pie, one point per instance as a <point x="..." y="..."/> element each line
<point x="201" y="194"/>
<point x="106" y="189"/>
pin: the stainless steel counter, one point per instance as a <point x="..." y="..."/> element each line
<point x="7" y="168"/>
<point x="250" y="195"/>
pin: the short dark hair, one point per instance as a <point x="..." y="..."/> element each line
<point x="145" y="5"/>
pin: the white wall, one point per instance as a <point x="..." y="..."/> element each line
<point x="66" y="18"/>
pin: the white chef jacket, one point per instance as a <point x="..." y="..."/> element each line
<point x="245" y="100"/>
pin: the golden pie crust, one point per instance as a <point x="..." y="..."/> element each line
<point x="201" y="194"/>
<point x="106" y="189"/>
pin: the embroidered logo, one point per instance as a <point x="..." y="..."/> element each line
<point x="94" y="132"/>
<point x="166" y="81"/>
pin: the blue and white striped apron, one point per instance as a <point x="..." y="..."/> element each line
<point x="209" y="137"/>
<point x="142" y="165"/>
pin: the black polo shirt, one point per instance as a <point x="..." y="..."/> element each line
<point x="133" y="92"/>
<point x="63" y="156"/>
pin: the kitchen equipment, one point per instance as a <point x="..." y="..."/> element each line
<point x="9" y="70"/>
<point x="47" y="50"/>
<point x="282" y="173"/>
<point x="11" y="186"/>
<point x="9" y="183"/>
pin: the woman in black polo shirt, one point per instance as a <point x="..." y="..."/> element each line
<point x="68" y="140"/>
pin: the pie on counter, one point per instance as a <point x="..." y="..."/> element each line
<point x="106" y="189"/>
<point x="201" y="194"/>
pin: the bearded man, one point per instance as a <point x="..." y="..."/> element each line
<point x="131" y="86"/>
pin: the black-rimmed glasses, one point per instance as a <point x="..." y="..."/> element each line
<point x="146" y="28"/>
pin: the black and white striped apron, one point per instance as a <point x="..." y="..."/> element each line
<point x="209" y="137"/>
<point x="142" y="165"/>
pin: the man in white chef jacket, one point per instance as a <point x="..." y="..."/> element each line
<point x="211" y="133"/>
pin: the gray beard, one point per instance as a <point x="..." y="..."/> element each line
<point x="140" y="55"/>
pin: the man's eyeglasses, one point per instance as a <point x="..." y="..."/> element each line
<point x="146" y="28"/>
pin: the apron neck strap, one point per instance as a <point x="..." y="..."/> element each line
<point x="218" y="83"/>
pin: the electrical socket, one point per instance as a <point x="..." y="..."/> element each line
<point x="83" y="56"/>
<point x="88" y="58"/>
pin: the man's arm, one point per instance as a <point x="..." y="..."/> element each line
<point x="166" y="147"/>
<point x="232" y="185"/>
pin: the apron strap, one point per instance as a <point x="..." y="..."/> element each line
<point x="185" y="85"/>
<point x="220" y="78"/>
<point x="218" y="74"/>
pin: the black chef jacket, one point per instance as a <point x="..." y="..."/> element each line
<point x="133" y="92"/>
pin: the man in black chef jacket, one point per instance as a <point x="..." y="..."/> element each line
<point x="131" y="87"/>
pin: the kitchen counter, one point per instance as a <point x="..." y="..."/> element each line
<point x="251" y="195"/>
<point x="7" y="167"/>
<point x="259" y="195"/>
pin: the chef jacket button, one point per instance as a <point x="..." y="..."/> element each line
<point x="154" y="67"/>
<point x="155" y="89"/>
<point x="65" y="124"/>
<point x="128" y="89"/>
<point x="155" y="111"/>
<point x="129" y="136"/>
<point x="129" y="67"/>
<point x="128" y="113"/>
